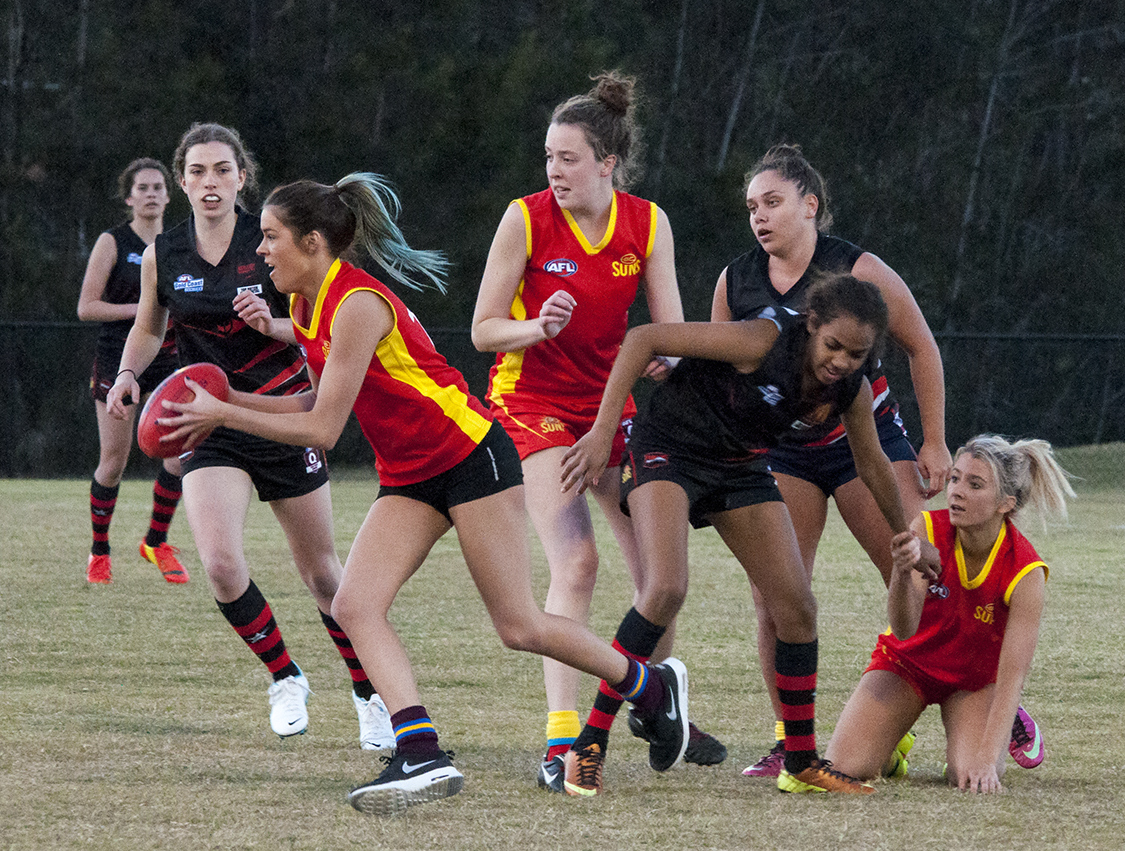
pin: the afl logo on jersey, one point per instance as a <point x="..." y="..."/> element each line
<point x="626" y="266"/>
<point x="188" y="284"/>
<point x="562" y="267"/>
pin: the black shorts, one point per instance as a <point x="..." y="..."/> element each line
<point x="278" y="470"/>
<point x="711" y="486"/>
<point x="829" y="467"/>
<point x="492" y="467"/>
<point x="105" y="369"/>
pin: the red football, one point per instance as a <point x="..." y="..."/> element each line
<point x="173" y="389"/>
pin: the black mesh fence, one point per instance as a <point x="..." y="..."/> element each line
<point x="1069" y="389"/>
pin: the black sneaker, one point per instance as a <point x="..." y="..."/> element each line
<point x="551" y="774"/>
<point x="702" y="748"/>
<point x="667" y="728"/>
<point x="408" y="780"/>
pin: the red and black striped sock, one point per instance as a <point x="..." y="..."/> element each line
<point x="361" y="685"/>
<point x="102" y="502"/>
<point x="796" y="685"/>
<point x="166" y="491"/>
<point x="636" y="638"/>
<point x="251" y="617"/>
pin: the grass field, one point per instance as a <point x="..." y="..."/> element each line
<point x="132" y="717"/>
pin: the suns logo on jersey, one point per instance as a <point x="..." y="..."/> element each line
<point x="551" y="424"/>
<point x="984" y="614"/>
<point x="561" y="266"/>
<point x="626" y="266"/>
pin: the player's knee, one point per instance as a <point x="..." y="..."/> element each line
<point x="795" y="618"/>
<point x="519" y="634"/>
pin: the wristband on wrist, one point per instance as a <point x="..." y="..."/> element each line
<point x="123" y="372"/>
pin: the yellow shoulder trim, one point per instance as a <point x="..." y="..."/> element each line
<point x="1024" y="572"/>
<point x="526" y="225"/>
<point x="653" y="217"/>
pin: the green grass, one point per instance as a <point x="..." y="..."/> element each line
<point x="132" y="717"/>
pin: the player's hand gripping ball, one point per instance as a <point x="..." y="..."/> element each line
<point x="172" y="389"/>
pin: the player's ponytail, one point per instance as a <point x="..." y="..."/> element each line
<point x="360" y="211"/>
<point x="1026" y="470"/>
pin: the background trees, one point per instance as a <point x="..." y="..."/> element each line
<point x="975" y="145"/>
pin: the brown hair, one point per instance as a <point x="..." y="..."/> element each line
<point x="360" y="208"/>
<point x="789" y="162"/>
<point x="126" y="178"/>
<point x="605" y="114"/>
<point x="201" y="134"/>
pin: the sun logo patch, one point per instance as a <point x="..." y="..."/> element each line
<point x="628" y="265"/>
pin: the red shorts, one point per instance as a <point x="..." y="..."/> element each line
<point x="538" y="424"/>
<point x="928" y="688"/>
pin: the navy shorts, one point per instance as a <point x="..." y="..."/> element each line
<point x="829" y="467"/>
<point x="493" y="467"/>
<point x="105" y="369"/>
<point x="278" y="470"/>
<point x="711" y="486"/>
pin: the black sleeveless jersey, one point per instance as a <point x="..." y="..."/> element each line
<point x="749" y="289"/>
<point x="708" y="410"/>
<point x="199" y="296"/>
<point x="124" y="287"/>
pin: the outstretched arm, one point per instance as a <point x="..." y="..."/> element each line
<point x="907" y="589"/>
<point x="1020" y="637"/>
<point x="743" y="344"/>
<point x="908" y="328"/>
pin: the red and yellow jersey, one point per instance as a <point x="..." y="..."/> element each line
<point x="572" y="369"/>
<point x="413" y="407"/>
<point x="962" y="626"/>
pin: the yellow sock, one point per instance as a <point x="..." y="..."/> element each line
<point x="562" y="729"/>
<point x="779" y="730"/>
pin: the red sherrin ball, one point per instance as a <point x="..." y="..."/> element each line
<point x="173" y="389"/>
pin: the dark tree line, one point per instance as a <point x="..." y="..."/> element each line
<point x="975" y="145"/>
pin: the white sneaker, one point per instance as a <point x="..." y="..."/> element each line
<point x="375" y="731"/>
<point x="288" y="714"/>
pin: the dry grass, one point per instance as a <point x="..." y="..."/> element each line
<point x="133" y="717"/>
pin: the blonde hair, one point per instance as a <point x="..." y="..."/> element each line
<point x="1026" y="470"/>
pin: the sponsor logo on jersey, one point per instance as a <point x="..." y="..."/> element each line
<point x="626" y="266"/>
<point x="984" y="614"/>
<point x="548" y="425"/>
<point x="655" y="459"/>
<point x="248" y="269"/>
<point x="562" y="267"/>
<point x="770" y="394"/>
<point x="188" y="284"/>
<point x="133" y="258"/>
<point x="250" y="288"/>
<point x="312" y="460"/>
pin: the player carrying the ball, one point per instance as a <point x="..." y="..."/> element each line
<point x="443" y="463"/>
